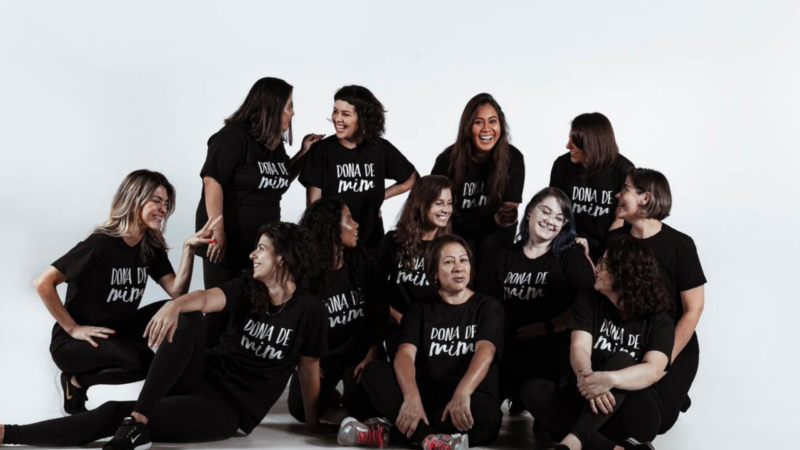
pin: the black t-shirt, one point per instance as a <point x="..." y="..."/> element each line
<point x="594" y="313"/>
<point x="680" y="265"/>
<point x="258" y="353"/>
<point x="470" y="197"/>
<point x="594" y="200"/>
<point x="253" y="180"/>
<point x="445" y="336"/>
<point x="405" y="285"/>
<point x="106" y="279"/>
<point x="358" y="176"/>
<point x="536" y="290"/>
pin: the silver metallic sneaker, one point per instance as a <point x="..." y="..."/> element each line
<point x="370" y="433"/>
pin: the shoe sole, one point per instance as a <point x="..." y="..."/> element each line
<point x="144" y="447"/>
<point x="61" y="395"/>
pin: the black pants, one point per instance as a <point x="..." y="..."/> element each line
<point x="354" y="397"/>
<point x="673" y="389"/>
<point x="213" y="276"/>
<point x="385" y="397"/>
<point x="484" y="247"/>
<point x="181" y="405"/>
<point x="564" y="411"/>
<point x="122" y="358"/>
<point x="545" y="358"/>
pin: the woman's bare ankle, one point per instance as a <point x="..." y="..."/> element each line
<point x="140" y="418"/>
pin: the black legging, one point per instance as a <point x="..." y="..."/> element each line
<point x="122" y="358"/>
<point x="564" y="411"/>
<point x="181" y="405"/>
<point x="213" y="276"/>
<point x="354" y="397"/>
<point x="673" y="389"/>
<point x="386" y="398"/>
<point x="543" y="357"/>
<point x="484" y="247"/>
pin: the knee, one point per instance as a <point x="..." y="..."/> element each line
<point x="375" y="370"/>
<point x="534" y="395"/>
<point x="488" y="419"/>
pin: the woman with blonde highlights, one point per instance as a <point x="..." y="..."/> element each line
<point x="98" y="335"/>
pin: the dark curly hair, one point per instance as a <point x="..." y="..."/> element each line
<point x="637" y="278"/>
<point x="566" y="237"/>
<point x="295" y="245"/>
<point x="434" y="254"/>
<point x="460" y="153"/>
<point x="413" y="221"/>
<point x="371" y="115"/>
<point x="262" y="112"/>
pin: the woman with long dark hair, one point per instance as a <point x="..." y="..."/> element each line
<point x="355" y="163"/>
<point x="443" y="391"/>
<point x="621" y="344"/>
<point x="537" y="280"/>
<point x="488" y="175"/>
<point x="591" y="173"/>
<point x="401" y="254"/>
<point x="356" y="312"/>
<point x="193" y="395"/>
<point x="97" y="338"/>
<point x="644" y="202"/>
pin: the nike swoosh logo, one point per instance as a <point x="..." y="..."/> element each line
<point x="134" y="439"/>
<point x="66" y="390"/>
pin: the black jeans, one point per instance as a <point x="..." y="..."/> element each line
<point x="673" y="389"/>
<point x="181" y="405"/>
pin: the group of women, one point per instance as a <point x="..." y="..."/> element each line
<point x="581" y="311"/>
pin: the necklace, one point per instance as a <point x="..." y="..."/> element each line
<point x="280" y="309"/>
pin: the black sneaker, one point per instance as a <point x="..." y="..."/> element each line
<point x="131" y="435"/>
<point x="633" y="444"/>
<point x="72" y="399"/>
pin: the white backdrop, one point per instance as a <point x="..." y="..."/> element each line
<point x="706" y="92"/>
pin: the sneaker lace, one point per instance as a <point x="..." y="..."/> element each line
<point x="125" y="430"/>
<point x="372" y="437"/>
<point x="438" y="442"/>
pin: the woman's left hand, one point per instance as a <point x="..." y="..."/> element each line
<point x="361" y="365"/>
<point x="309" y="140"/>
<point x="459" y="411"/>
<point x="595" y="384"/>
<point x="204" y="235"/>
<point x="506" y="216"/>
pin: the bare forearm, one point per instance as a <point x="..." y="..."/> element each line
<point x="406" y="375"/>
<point x="399" y="188"/>
<point x="684" y="330"/>
<point x="580" y="359"/>
<point x="183" y="277"/>
<point x="213" y="197"/>
<point x="477" y="370"/>
<point x="636" y="377"/>
<point x="196" y="301"/>
<point x="52" y="302"/>
<point x="396" y="316"/>
<point x="310" y="387"/>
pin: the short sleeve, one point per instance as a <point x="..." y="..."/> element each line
<point x="577" y="269"/>
<point x="661" y="336"/>
<point x="491" y="325"/>
<point x="315" y="334"/>
<point x="311" y="175"/>
<point x="160" y="266"/>
<point x="226" y="152"/>
<point x="442" y="165"/>
<point x="79" y="261"/>
<point x="690" y="272"/>
<point x="411" y="326"/>
<point x="233" y="291"/>
<point x="582" y="314"/>
<point x="516" y="182"/>
<point x="396" y="166"/>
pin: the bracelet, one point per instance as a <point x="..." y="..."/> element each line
<point x="588" y="369"/>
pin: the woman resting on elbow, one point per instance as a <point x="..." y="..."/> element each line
<point x="193" y="395"/>
<point x="443" y="391"/>
<point x="621" y="344"/>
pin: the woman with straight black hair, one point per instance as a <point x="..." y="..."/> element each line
<point x="356" y="310"/>
<point x="488" y="175"/>
<point x="192" y="394"/>
<point x="537" y="280"/>
<point x="97" y="338"/>
<point x="245" y="175"/>
<point x="401" y="254"/>
<point x="644" y="202"/>
<point x="355" y="163"/>
<point x="591" y="173"/>
<point x="620" y="346"/>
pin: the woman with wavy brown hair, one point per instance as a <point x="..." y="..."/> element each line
<point x="621" y="344"/>
<point x="488" y="175"/>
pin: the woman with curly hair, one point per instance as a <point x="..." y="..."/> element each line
<point x="193" y="395"/>
<point x="97" y="338"/>
<point x="537" y="280"/>
<point x="644" y="202"/>
<point x="622" y="341"/>
<point x="591" y="173"/>
<point x="355" y="163"/>
<point x="356" y="314"/>
<point x="488" y="175"/>
<point x="401" y="253"/>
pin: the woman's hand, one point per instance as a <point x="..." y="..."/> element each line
<point x="204" y="235"/>
<point x="459" y="411"/>
<point x="309" y="140"/>
<point x="530" y="331"/>
<point x="604" y="402"/>
<point x="86" y="333"/>
<point x="585" y="244"/>
<point x="595" y="384"/>
<point x="361" y="365"/>
<point x="216" y="249"/>
<point x="411" y="412"/>
<point x="506" y="216"/>
<point x="163" y="324"/>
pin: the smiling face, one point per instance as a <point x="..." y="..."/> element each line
<point x="154" y="211"/>
<point x="345" y="120"/>
<point x="486" y="128"/>
<point x="630" y="200"/>
<point x="349" y="229"/>
<point x="288" y="113"/>
<point x="603" y="280"/>
<point x="441" y="209"/>
<point x="576" y="155"/>
<point x="545" y="220"/>
<point x="454" y="268"/>
<point x="265" y="263"/>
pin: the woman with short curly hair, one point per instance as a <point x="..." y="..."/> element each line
<point x="355" y="162"/>
<point x="622" y="342"/>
